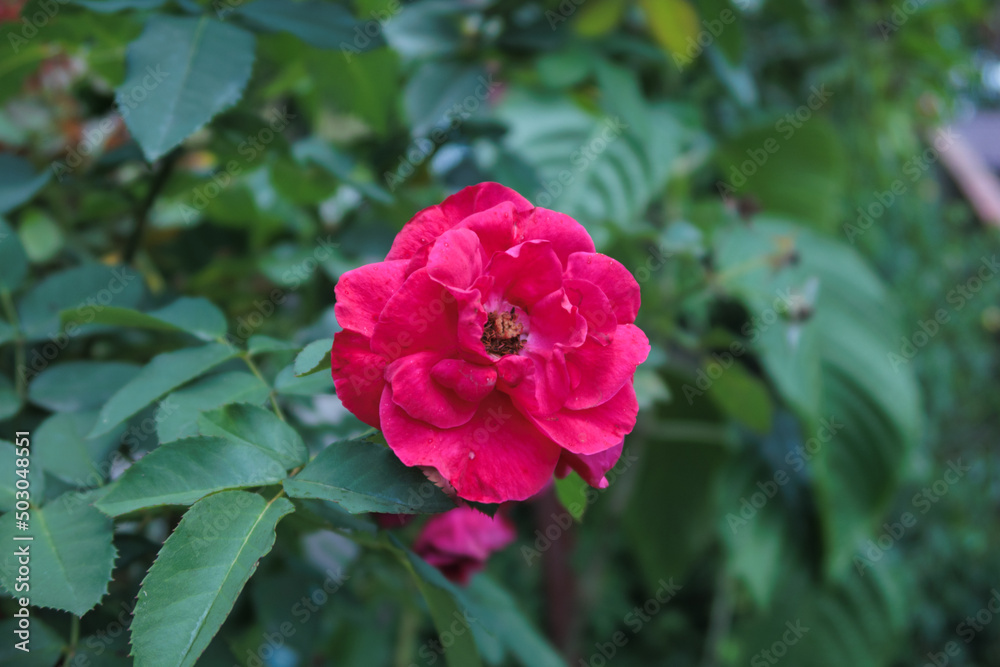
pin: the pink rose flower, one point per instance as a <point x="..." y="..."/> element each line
<point x="459" y="541"/>
<point x="492" y="345"/>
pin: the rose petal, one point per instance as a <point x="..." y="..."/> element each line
<point x="421" y="315"/>
<point x="456" y="259"/>
<point x="523" y="274"/>
<point x="603" y="369"/>
<point x="421" y="397"/>
<point x="594" y="429"/>
<point x="612" y="277"/>
<point x="497" y="456"/>
<point x="553" y="321"/>
<point x="591" y="467"/>
<point x="363" y="292"/>
<point x="431" y="222"/>
<point x="593" y="304"/>
<point x="471" y="382"/>
<point x="357" y="375"/>
<point x="566" y="235"/>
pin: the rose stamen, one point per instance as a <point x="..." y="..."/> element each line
<point x="502" y="334"/>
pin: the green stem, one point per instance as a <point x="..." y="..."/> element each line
<point x="19" y="354"/>
<point x="271" y="393"/>
<point x="74" y="638"/>
<point x="160" y="179"/>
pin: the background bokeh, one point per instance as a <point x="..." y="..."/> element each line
<point x="814" y="476"/>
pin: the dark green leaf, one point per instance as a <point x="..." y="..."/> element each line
<point x="197" y="317"/>
<point x="364" y="476"/>
<point x="498" y="612"/>
<point x="18" y="181"/>
<point x="322" y="24"/>
<point x="164" y="373"/>
<point x="13" y="259"/>
<point x="36" y="479"/>
<point x="183" y="471"/>
<point x="79" y="385"/>
<point x="67" y="453"/>
<point x="257" y="427"/>
<point x="182" y="71"/>
<point x="198" y="575"/>
<point x="177" y="414"/>
<point x="71" y="554"/>
<point x="10" y="402"/>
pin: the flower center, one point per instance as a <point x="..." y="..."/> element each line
<point x="502" y="334"/>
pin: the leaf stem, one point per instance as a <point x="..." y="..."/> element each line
<point x="74" y="637"/>
<point x="160" y="179"/>
<point x="271" y="393"/>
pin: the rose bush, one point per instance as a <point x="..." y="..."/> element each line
<point x="459" y="542"/>
<point x="493" y="346"/>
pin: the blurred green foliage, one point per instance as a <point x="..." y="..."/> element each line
<point x="815" y="463"/>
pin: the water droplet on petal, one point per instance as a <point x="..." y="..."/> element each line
<point x="472" y="455"/>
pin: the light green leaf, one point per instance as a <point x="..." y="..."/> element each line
<point x="36" y="479"/>
<point x="364" y="476"/>
<point x="79" y="385"/>
<point x="322" y="24"/>
<point x="18" y="181"/>
<point x="67" y="453"/>
<point x="13" y="259"/>
<point x="196" y="316"/>
<point x="183" y="471"/>
<point x="86" y="289"/>
<point x="199" y="573"/>
<point x="314" y="358"/>
<point x="572" y="494"/>
<point x="257" y="427"/>
<point x="71" y="554"/>
<point x="165" y="372"/>
<point x="41" y="236"/>
<point x="307" y="385"/>
<point x="177" y="414"/>
<point x="673" y="23"/>
<point x="740" y="395"/>
<point x="188" y="69"/>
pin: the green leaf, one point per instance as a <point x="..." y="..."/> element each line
<point x="67" y="453"/>
<point x="18" y="181"/>
<point x="673" y="23"/>
<point x="87" y="289"/>
<point x="498" y="612"/>
<point x="572" y="494"/>
<point x="10" y="402"/>
<point x="199" y="573"/>
<point x="322" y="24"/>
<point x="257" y="427"/>
<point x="7" y="333"/>
<point x="71" y="554"/>
<point x="13" y="259"/>
<point x="112" y="6"/>
<point x="308" y="385"/>
<point x="36" y="479"/>
<point x="314" y="358"/>
<point x="182" y="71"/>
<point x="177" y="414"/>
<point x="79" y="385"/>
<point x="41" y="236"/>
<point x="184" y="471"/>
<point x="741" y="395"/>
<point x="165" y="372"/>
<point x="196" y="316"/>
<point x="264" y="344"/>
<point x="363" y="476"/>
